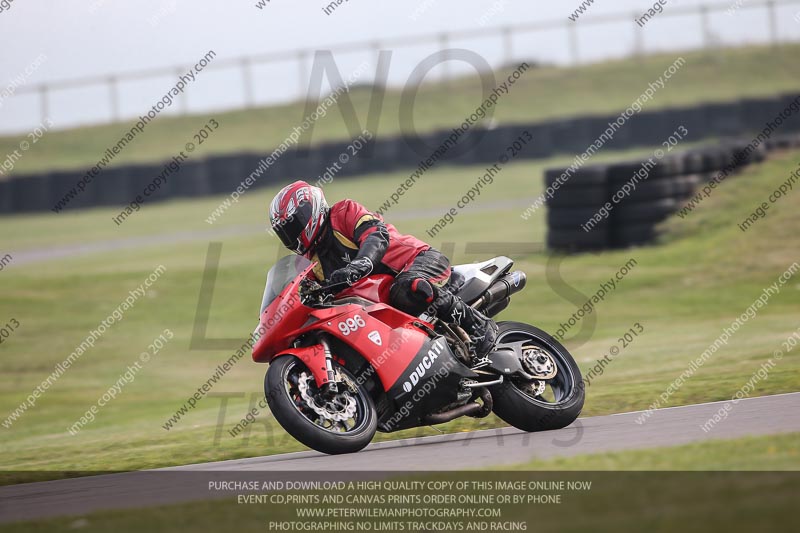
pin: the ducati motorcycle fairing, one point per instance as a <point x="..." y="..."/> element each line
<point x="344" y="363"/>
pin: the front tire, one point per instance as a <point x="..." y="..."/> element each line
<point x="515" y="402"/>
<point x="344" y="424"/>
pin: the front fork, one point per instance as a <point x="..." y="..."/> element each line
<point x="329" y="389"/>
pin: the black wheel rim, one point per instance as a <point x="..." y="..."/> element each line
<point x="333" y="409"/>
<point x="559" y="389"/>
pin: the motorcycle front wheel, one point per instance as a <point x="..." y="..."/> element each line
<point x="544" y="404"/>
<point x="342" y="423"/>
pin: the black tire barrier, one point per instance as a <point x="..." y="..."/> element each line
<point x="387" y="154"/>
<point x="589" y="175"/>
<point x="756" y="112"/>
<point x="282" y="169"/>
<point x="192" y="180"/>
<point x="634" y="216"/>
<point x="686" y="186"/>
<point x="650" y="128"/>
<point x="31" y="194"/>
<point x="713" y="160"/>
<point x="351" y="160"/>
<point x="628" y="235"/>
<point x="640" y="212"/>
<point x="251" y="162"/>
<point x="783" y="142"/>
<point x="620" y="173"/>
<point x="63" y="184"/>
<point x="588" y="196"/>
<point x="145" y="177"/>
<point x="693" y="162"/>
<point x="303" y="163"/>
<point x="617" y="138"/>
<point x="368" y="160"/>
<point x="656" y="189"/>
<point x="497" y="141"/>
<point x="483" y="152"/>
<point x="519" y="142"/>
<point x="226" y="173"/>
<point x="5" y="197"/>
<point x="724" y="119"/>
<point x="572" y="218"/>
<point x="140" y="176"/>
<point x="540" y="145"/>
<point x="113" y="186"/>
<point x="578" y="240"/>
<point x="464" y="149"/>
<point x="340" y="159"/>
<point x="312" y="162"/>
<point x="792" y="123"/>
<point x="404" y="154"/>
<point x="742" y="154"/>
<point x="692" y="119"/>
<point x="573" y="136"/>
<point x="328" y="158"/>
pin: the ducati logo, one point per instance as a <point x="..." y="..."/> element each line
<point x="375" y="337"/>
<point x="418" y="373"/>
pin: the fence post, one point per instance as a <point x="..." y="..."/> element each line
<point x="508" y="45"/>
<point x="706" y="28"/>
<point x="638" y="38"/>
<point x="247" y="83"/>
<point x="376" y="53"/>
<point x="183" y="102"/>
<point x="43" y="105"/>
<point x="773" y="23"/>
<point x="113" y="95"/>
<point x="573" y="42"/>
<point x="444" y="42"/>
<point x="302" y="72"/>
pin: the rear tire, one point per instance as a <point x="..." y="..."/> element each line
<point x="286" y="406"/>
<point x="522" y="410"/>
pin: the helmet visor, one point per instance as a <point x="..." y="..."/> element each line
<point x="290" y="230"/>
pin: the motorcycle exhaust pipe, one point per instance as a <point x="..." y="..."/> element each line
<point x="501" y="289"/>
<point x="496" y="307"/>
<point x="469" y="409"/>
<point x="473" y="409"/>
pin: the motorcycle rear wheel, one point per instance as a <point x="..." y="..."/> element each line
<point x="516" y="403"/>
<point x="343" y="424"/>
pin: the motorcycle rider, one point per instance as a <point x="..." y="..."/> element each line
<point x="348" y="242"/>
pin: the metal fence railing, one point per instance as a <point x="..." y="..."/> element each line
<point x="508" y="39"/>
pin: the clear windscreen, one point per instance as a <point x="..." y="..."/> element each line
<point x="280" y="275"/>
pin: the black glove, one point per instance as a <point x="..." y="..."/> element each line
<point x="354" y="271"/>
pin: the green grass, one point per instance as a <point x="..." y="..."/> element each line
<point x="771" y="452"/>
<point x="542" y="93"/>
<point x="683" y="292"/>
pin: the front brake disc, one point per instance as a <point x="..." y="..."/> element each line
<point x="328" y="410"/>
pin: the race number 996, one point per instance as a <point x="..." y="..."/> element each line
<point x="351" y="325"/>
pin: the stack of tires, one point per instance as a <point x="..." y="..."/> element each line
<point x="620" y="205"/>
<point x="783" y="142"/>
<point x="580" y="195"/>
<point x="642" y="198"/>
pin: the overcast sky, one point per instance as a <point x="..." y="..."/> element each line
<point x="101" y="37"/>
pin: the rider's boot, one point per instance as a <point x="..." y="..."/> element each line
<point x="482" y="329"/>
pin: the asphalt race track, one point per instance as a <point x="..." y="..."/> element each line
<point x="666" y="427"/>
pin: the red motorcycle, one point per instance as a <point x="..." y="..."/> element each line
<point x="344" y="363"/>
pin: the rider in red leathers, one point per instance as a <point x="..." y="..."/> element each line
<point x="348" y="242"/>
